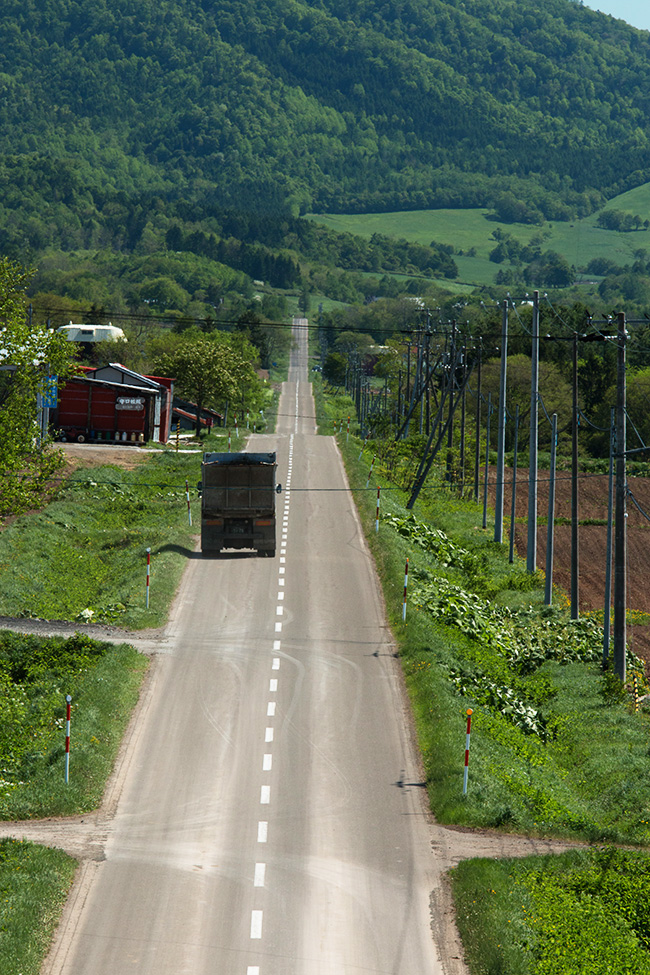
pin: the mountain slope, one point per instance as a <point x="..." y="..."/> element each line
<point x="117" y="114"/>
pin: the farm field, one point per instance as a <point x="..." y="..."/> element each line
<point x="592" y="544"/>
<point x="579" y="242"/>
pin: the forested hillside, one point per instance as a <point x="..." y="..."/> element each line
<point x="119" y="116"/>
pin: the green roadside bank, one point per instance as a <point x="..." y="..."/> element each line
<point x="557" y="748"/>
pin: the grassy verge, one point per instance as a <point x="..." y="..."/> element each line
<point x="83" y="557"/>
<point x="555" y="747"/>
<point x="36" y="674"/>
<point x="582" y="913"/>
<point x="333" y="407"/>
<point x="34" y="882"/>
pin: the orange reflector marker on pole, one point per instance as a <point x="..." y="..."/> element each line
<point x="469" y="728"/>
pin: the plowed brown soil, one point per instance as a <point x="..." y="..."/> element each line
<point x="592" y="540"/>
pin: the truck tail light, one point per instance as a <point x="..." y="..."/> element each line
<point x="213" y="521"/>
<point x="264" y="522"/>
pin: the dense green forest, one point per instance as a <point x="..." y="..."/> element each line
<point x="116" y="116"/>
<point x="161" y="155"/>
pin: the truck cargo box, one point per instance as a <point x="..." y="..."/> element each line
<point x="238" y="502"/>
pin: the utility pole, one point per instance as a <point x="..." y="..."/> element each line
<point x="462" y="423"/>
<point x="620" y="526"/>
<point x="501" y="443"/>
<point x="452" y="383"/>
<point x="513" y="505"/>
<point x="477" y="451"/>
<point x="550" y="528"/>
<point x="531" y="550"/>
<point x="487" y="458"/>
<point x="607" y="623"/>
<point x="575" y="562"/>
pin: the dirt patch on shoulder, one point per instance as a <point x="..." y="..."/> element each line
<point x="90" y="455"/>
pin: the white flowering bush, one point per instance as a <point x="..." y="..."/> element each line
<point x="29" y="353"/>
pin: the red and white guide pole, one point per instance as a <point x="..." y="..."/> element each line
<point x="406" y="582"/>
<point x="469" y="728"/>
<point x="187" y="495"/>
<point x="68" y="701"/>
<point x="236" y="427"/>
<point x="347" y="435"/>
<point x="229" y="441"/>
<point x="148" y="573"/>
<point x="377" y="515"/>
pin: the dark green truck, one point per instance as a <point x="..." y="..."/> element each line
<point x="238" y="502"/>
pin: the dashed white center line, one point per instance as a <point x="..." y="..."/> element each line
<point x="265" y="795"/>
<point x="273" y="684"/>
<point x="269" y="734"/>
<point x="253" y="970"/>
<point x="267" y="763"/>
<point x="278" y="627"/>
<point x="276" y="660"/>
<point x="260" y="871"/>
<point x="270" y="709"/>
<point x="256" y="924"/>
<point x="262" y="832"/>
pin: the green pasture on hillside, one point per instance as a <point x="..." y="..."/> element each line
<point x="579" y="242"/>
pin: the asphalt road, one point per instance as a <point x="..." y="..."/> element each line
<point x="270" y="818"/>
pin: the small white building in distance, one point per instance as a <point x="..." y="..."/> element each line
<point x="93" y="333"/>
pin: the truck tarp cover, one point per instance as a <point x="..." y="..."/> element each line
<point x="239" y="482"/>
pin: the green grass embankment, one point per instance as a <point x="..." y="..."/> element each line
<point x="34" y="882"/>
<point x="83" y="557"/>
<point x="556" y="748"/>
